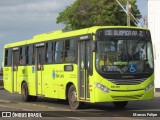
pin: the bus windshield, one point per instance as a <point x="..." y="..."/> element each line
<point x="118" y="56"/>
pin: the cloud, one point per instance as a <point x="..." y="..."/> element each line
<point x="26" y="14"/>
<point x="22" y="19"/>
<point x="4" y="3"/>
<point x="40" y="6"/>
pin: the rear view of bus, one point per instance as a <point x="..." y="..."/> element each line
<point x="124" y="65"/>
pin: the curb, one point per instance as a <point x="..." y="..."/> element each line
<point x="1" y="88"/>
<point x="157" y="94"/>
<point x="1" y="83"/>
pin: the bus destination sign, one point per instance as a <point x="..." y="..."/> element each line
<point x="124" y="32"/>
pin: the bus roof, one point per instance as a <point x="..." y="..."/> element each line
<point x="60" y="34"/>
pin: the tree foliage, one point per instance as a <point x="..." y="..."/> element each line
<point x="87" y="13"/>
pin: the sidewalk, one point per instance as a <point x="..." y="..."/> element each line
<point x="157" y="94"/>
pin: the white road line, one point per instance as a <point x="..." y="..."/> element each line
<point x="76" y="118"/>
<point x="53" y="108"/>
<point x="15" y="108"/>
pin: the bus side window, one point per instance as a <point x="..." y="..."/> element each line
<point x="8" y="57"/>
<point x="66" y="50"/>
<point x="24" y="55"/>
<point x="59" y="52"/>
<point x="31" y="55"/>
<point x="27" y="54"/>
<point x="70" y="46"/>
<point x="49" y="52"/>
<point x="46" y="53"/>
<point x="20" y="56"/>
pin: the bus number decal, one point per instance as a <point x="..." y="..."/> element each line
<point x="16" y="48"/>
<point x="84" y="37"/>
<point x="39" y="44"/>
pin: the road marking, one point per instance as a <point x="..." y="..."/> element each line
<point x="53" y="108"/>
<point x="76" y="118"/>
<point x="15" y="108"/>
<point x="6" y="101"/>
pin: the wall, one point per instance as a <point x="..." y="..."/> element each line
<point x="154" y="26"/>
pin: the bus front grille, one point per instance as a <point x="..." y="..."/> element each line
<point x="127" y="81"/>
<point x="134" y="97"/>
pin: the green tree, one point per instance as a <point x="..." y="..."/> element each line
<point x="87" y="13"/>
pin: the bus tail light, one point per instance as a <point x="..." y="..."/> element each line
<point x="102" y="87"/>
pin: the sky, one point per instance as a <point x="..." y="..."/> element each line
<point x="22" y="19"/>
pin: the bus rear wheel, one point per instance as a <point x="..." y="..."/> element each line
<point x="72" y="98"/>
<point x="25" y="94"/>
<point x="120" y="104"/>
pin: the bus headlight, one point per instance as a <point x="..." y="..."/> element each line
<point x="102" y="87"/>
<point x="149" y="86"/>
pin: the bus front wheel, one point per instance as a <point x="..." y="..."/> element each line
<point x="72" y="98"/>
<point x="120" y="104"/>
<point x="25" y="94"/>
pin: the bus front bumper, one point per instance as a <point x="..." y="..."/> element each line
<point x="101" y="96"/>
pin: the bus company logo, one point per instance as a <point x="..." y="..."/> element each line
<point x="6" y="114"/>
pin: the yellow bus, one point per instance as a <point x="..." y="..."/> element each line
<point x="97" y="64"/>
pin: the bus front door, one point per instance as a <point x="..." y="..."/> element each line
<point x="15" y="63"/>
<point x="84" y="65"/>
<point x="40" y="58"/>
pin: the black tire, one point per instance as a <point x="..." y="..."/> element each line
<point x="120" y="104"/>
<point x="72" y="98"/>
<point x="25" y="94"/>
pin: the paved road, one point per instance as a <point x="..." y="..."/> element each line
<point x="55" y="108"/>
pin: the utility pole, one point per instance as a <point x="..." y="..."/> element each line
<point x="145" y="22"/>
<point x="128" y="12"/>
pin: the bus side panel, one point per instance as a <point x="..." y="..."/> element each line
<point x="7" y="78"/>
<point x="55" y="80"/>
<point x="19" y="78"/>
<point x="31" y="79"/>
<point x="27" y="74"/>
<point x="49" y="87"/>
<point x="67" y="77"/>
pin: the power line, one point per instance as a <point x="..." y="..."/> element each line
<point x="137" y="22"/>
